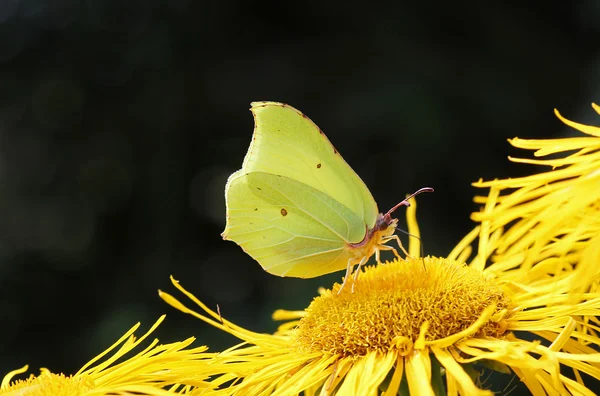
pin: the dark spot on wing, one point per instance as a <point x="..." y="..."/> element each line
<point x="318" y="166"/>
<point x="334" y="150"/>
<point x="255" y="209"/>
<point x="283" y="212"/>
<point x="259" y="189"/>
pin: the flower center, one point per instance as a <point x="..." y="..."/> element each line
<point x="394" y="300"/>
<point x="47" y="384"/>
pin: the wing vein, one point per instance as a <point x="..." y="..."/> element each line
<point x="283" y="230"/>
<point x="304" y="256"/>
<point x="312" y="216"/>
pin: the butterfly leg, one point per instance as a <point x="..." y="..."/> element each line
<point x="384" y="247"/>
<point x="348" y="273"/>
<point x="399" y="242"/>
<point x="401" y="247"/>
<point x="364" y="260"/>
<point x="377" y="255"/>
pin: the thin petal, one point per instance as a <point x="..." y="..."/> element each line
<point x="283" y="314"/>
<point x="312" y="374"/>
<point x="340" y="371"/>
<point x="590" y="130"/>
<point x="451" y="385"/>
<point x="576" y="388"/>
<point x="366" y="376"/>
<point x="472" y="329"/>
<point x="456" y="371"/>
<point x="418" y="374"/>
<point x="528" y="378"/>
<point x="463" y="245"/>
<point x="394" y="385"/>
<point x="8" y="377"/>
<point x="414" y="244"/>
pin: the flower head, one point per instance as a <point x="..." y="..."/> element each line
<point x="152" y="371"/>
<point x="419" y="325"/>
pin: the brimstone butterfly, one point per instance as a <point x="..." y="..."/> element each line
<point x="296" y="206"/>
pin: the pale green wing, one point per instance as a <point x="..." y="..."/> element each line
<point x="288" y="143"/>
<point x="289" y="227"/>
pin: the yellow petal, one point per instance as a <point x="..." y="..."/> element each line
<point x="418" y="374"/>
<point x="454" y="369"/>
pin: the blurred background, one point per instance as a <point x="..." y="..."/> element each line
<point x="120" y="121"/>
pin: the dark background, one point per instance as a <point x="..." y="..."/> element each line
<point x="121" y="120"/>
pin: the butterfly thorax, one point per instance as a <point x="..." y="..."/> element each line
<point x="384" y="226"/>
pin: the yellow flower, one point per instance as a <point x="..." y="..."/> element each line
<point x="155" y="370"/>
<point x="419" y="325"/>
<point x="556" y="214"/>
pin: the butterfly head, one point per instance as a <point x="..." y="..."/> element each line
<point x="386" y="222"/>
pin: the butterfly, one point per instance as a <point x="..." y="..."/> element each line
<point x="297" y="207"/>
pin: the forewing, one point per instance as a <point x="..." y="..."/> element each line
<point x="289" y="227"/>
<point x="288" y="143"/>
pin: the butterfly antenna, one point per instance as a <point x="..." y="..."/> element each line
<point x="405" y="201"/>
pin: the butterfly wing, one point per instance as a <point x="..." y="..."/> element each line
<point x="288" y="143"/>
<point x="289" y="227"/>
